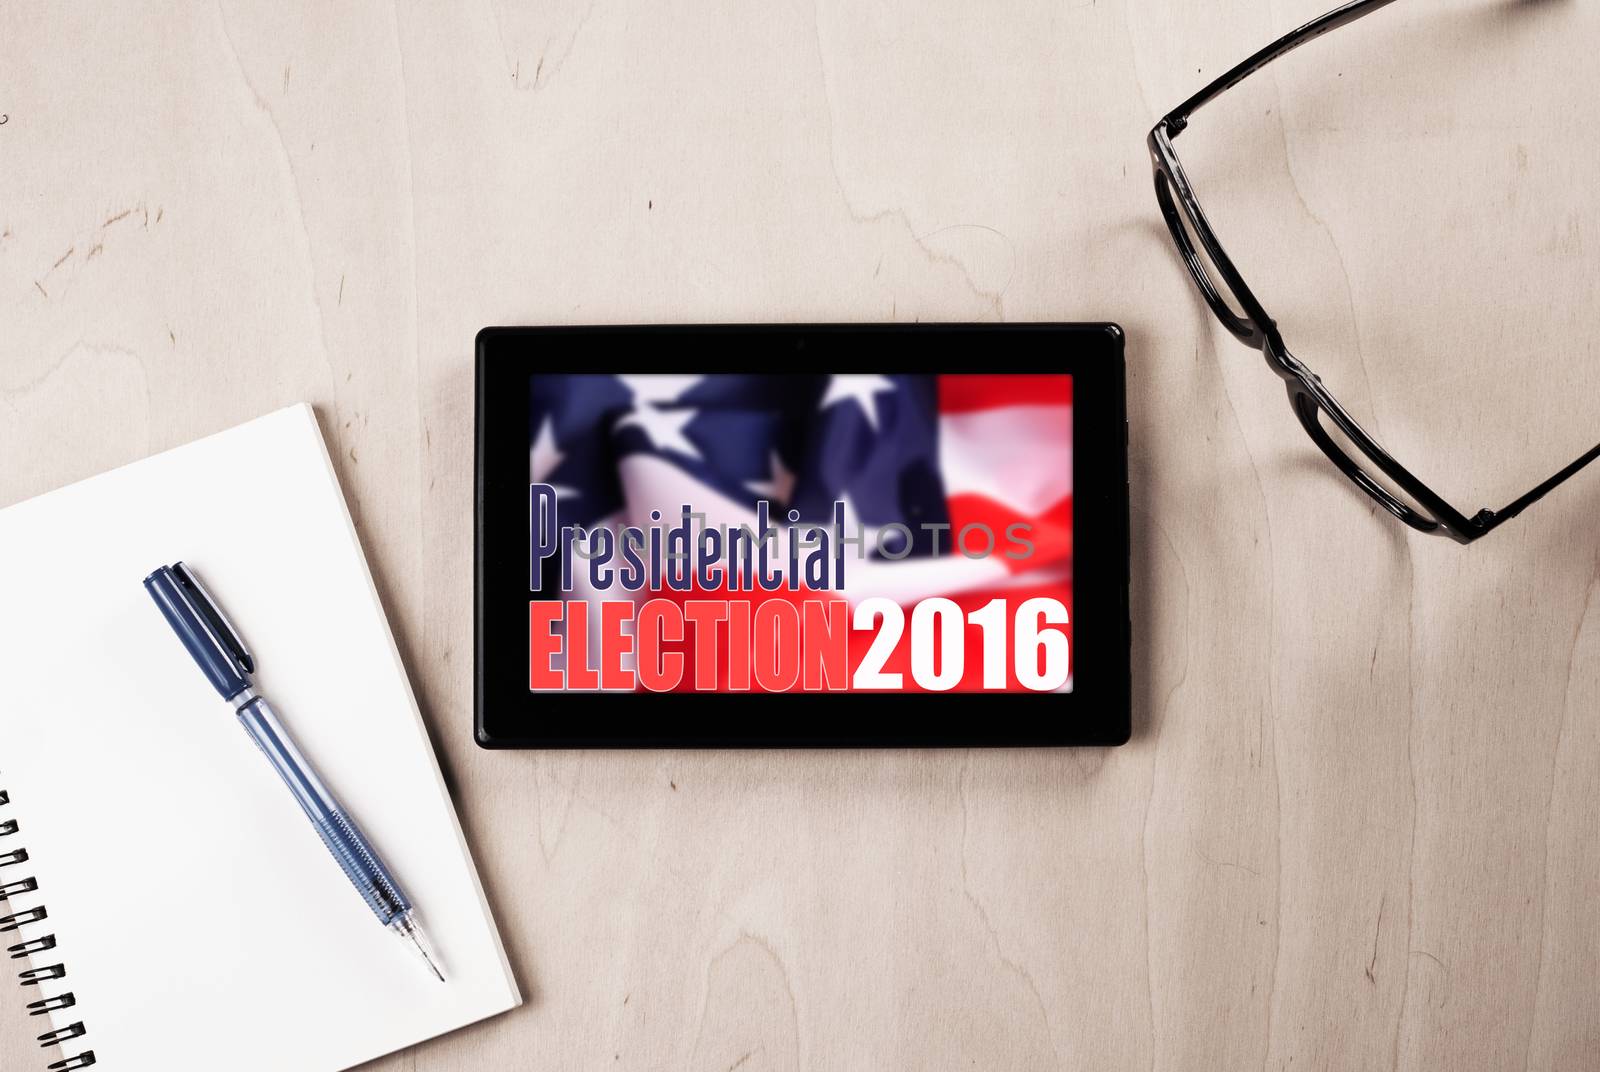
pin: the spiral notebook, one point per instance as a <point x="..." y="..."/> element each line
<point x="161" y="895"/>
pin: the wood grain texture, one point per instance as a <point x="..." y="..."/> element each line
<point x="1356" y="827"/>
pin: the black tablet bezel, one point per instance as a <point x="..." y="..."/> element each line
<point x="506" y="714"/>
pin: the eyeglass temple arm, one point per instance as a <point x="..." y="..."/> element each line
<point x="1518" y="505"/>
<point x="1178" y="118"/>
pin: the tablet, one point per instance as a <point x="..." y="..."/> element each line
<point x="801" y="535"/>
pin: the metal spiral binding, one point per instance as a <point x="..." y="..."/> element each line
<point x="15" y="921"/>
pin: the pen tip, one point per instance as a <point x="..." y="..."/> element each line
<point x="407" y="927"/>
<point x="434" y="968"/>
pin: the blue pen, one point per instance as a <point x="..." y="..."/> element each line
<point x="216" y="645"/>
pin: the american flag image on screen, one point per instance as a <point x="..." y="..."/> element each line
<point x="957" y="486"/>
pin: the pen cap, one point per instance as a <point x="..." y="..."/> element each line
<point x="202" y="628"/>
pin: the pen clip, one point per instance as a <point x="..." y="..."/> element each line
<point x="211" y="616"/>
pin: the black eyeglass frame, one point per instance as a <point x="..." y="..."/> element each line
<point x="1307" y="397"/>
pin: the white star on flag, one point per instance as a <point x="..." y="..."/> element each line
<point x="545" y="458"/>
<point x="653" y="389"/>
<point x="778" y="486"/>
<point x="860" y="388"/>
<point x="664" y="427"/>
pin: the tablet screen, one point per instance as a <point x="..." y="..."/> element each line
<point x="887" y="534"/>
<point x="799" y="532"/>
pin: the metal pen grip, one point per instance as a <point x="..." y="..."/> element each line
<point x="349" y="846"/>
<point x="352" y="852"/>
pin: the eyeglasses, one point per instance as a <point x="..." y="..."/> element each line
<point x="1319" y="413"/>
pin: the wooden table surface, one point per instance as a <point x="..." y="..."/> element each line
<point x="1356" y="827"/>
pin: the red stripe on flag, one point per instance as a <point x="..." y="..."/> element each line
<point x="1050" y="532"/>
<point x="964" y="393"/>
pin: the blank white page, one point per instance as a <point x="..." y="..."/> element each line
<point x="202" y="922"/>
